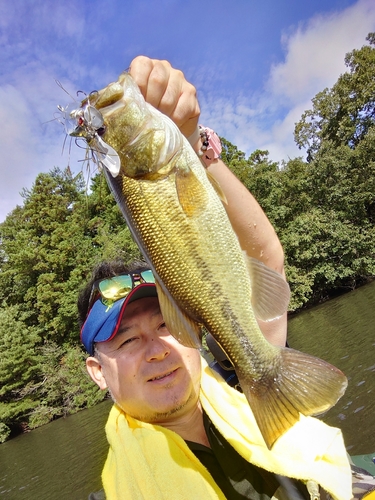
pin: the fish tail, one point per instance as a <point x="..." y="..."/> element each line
<point x="293" y="383"/>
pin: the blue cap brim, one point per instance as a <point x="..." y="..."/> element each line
<point x="103" y="321"/>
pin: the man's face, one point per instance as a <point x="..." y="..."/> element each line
<point x="150" y="375"/>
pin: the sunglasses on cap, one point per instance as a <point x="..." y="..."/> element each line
<point x="112" y="289"/>
<point x="104" y="315"/>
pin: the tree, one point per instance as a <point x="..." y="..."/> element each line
<point x="47" y="251"/>
<point x="259" y="174"/>
<point x="64" y="386"/>
<point x="264" y="182"/>
<point x="109" y="231"/>
<point x="326" y="254"/>
<point x="230" y="153"/>
<point x="345" y="113"/>
<point x="48" y="248"/>
<point x="19" y="366"/>
<point x="329" y="239"/>
<point x="295" y="197"/>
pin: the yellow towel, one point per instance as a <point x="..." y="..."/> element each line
<point x="147" y="461"/>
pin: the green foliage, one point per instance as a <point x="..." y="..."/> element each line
<point x="43" y="244"/>
<point x="263" y="178"/>
<point x="48" y="248"/>
<point x="19" y="363"/>
<point x="326" y="253"/>
<point x="323" y="212"/>
<point x="230" y="154"/>
<point x="345" y="113"/>
<point x="64" y="386"/>
<point x="332" y="240"/>
<point x="108" y="231"/>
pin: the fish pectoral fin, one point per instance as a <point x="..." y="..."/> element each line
<point x="293" y="383"/>
<point x="185" y="330"/>
<point x="215" y="184"/>
<point x="270" y="292"/>
<point x="192" y="195"/>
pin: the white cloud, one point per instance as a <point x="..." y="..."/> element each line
<point x="315" y="51"/>
<point x="314" y="59"/>
<point x="15" y="144"/>
<point x="30" y="141"/>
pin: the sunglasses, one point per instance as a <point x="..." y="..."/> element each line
<point x="112" y="289"/>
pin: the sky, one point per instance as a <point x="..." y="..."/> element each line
<point x="256" y="66"/>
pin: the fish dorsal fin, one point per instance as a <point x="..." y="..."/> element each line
<point x="215" y="184"/>
<point x="270" y="292"/>
<point x="191" y="194"/>
<point x="186" y="331"/>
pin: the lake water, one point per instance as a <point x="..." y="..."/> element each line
<point x="342" y="331"/>
<point x="63" y="460"/>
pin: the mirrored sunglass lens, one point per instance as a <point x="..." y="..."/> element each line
<point x="115" y="288"/>
<point x="148" y="276"/>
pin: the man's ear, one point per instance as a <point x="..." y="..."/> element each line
<point x="95" y="370"/>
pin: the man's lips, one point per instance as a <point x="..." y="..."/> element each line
<point x="163" y="376"/>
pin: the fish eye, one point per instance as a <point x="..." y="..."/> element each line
<point x="101" y="131"/>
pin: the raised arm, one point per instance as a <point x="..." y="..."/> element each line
<point x="256" y="236"/>
<point x="168" y="90"/>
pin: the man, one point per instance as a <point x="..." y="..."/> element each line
<point x="176" y="430"/>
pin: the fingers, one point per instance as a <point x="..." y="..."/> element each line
<point x="167" y="89"/>
<point x="186" y="112"/>
<point x="152" y="77"/>
<point x="140" y="69"/>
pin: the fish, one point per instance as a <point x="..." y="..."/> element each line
<point x="176" y="214"/>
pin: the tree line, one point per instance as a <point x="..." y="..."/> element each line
<point x="323" y="210"/>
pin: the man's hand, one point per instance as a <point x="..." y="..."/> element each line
<point x="167" y="89"/>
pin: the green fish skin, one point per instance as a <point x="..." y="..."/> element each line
<point x="177" y="218"/>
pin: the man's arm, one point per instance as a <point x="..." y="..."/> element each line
<point x="168" y="90"/>
<point x="255" y="234"/>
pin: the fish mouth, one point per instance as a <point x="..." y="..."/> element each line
<point x="163" y="376"/>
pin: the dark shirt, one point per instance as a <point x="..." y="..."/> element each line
<point x="98" y="495"/>
<point x="237" y="478"/>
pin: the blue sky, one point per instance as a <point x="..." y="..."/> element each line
<point x="256" y="65"/>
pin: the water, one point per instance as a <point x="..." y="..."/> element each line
<point x="63" y="460"/>
<point x="342" y="331"/>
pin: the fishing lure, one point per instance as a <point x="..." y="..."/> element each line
<point x="88" y="123"/>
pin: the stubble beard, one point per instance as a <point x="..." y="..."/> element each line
<point x="156" y="417"/>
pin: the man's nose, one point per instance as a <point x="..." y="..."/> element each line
<point x="157" y="348"/>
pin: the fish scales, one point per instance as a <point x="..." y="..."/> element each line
<point x="162" y="236"/>
<point x="202" y="275"/>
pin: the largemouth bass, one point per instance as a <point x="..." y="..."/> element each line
<point x="203" y="277"/>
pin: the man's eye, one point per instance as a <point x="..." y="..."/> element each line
<point x="128" y="341"/>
